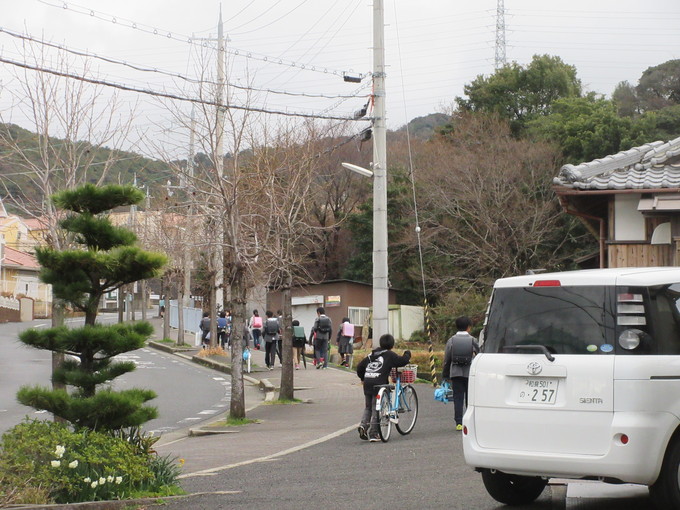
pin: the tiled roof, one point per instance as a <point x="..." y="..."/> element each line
<point x="35" y="223"/>
<point x="644" y="167"/>
<point x="19" y="258"/>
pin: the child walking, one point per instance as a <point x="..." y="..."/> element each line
<point x="374" y="370"/>
<point x="345" y="341"/>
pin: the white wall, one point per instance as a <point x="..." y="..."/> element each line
<point x="405" y="319"/>
<point x="629" y="223"/>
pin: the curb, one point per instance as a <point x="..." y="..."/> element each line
<point x="114" y="504"/>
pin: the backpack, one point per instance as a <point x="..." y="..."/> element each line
<point x="299" y="332"/>
<point x="324" y="329"/>
<point x="271" y="327"/>
<point x="347" y="329"/>
<point x="257" y="322"/>
<point x="461" y="353"/>
<point x="205" y="324"/>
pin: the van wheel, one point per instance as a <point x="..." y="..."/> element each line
<point x="665" y="492"/>
<point x="512" y="489"/>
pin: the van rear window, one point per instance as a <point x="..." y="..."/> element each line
<point x="566" y="320"/>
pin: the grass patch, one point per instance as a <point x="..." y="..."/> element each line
<point x="233" y="422"/>
<point x="284" y="401"/>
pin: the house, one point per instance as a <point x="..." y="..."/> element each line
<point x="630" y="201"/>
<point x="14" y="231"/>
<point x="347" y="298"/>
<point x="19" y="278"/>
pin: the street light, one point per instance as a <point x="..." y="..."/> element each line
<point x="380" y="270"/>
<point x="358" y="169"/>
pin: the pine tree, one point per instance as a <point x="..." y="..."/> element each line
<point x="104" y="258"/>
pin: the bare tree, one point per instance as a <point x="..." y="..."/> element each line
<point x="289" y="165"/>
<point x="486" y="206"/>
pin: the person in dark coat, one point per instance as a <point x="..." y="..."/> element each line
<point x="374" y="370"/>
<point x="458" y="354"/>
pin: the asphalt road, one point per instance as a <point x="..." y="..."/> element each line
<point x="187" y="393"/>
<point x="422" y="470"/>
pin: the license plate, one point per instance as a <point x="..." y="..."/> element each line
<point x="538" y="391"/>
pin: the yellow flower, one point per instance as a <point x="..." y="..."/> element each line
<point x="181" y="462"/>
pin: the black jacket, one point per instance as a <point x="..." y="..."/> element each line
<point x="375" y="368"/>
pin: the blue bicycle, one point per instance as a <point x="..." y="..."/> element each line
<point x="398" y="403"/>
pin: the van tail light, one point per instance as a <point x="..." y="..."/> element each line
<point x="547" y="283"/>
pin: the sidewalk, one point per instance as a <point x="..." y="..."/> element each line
<point x="332" y="404"/>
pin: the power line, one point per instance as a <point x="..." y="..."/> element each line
<point x="170" y="96"/>
<point x="187" y="39"/>
<point x="171" y="74"/>
<point x="271" y="22"/>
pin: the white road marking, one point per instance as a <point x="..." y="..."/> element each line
<point x="273" y="456"/>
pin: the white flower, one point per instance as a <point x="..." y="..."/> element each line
<point x="59" y="451"/>
<point x="94" y="485"/>
<point x="109" y="479"/>
<point x="102" y="481"/>
<point x="56" y="463"/>
<point x="119" y="479"/>
<point x="73" y="464"/>
<point x="87" y="479"/>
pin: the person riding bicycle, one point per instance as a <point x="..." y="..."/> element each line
<point x="374" y="370"/>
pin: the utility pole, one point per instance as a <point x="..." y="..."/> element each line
<point x="219" y="161"/>
<point x="380" y="270"/>
<point x="186" y="284"/>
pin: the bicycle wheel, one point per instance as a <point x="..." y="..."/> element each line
<point x="384" y="416"/>
<point x="408" y="410"/>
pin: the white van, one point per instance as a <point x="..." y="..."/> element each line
<point x="579" y="377"/>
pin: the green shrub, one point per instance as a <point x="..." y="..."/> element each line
<point x="419" y="336"/>
<point x="71" y="466"/>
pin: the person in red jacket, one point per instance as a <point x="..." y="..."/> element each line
<point x="374" y="370"/>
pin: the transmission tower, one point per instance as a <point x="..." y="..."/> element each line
<point x="499" y="59"/>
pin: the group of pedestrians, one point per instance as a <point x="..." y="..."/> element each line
<point x="269" y="330"/>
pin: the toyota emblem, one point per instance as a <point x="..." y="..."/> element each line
<point x="534" y="368"/>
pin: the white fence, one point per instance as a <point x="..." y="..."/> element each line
<point x="192" y="317"/>
<point x="11" y="303"/>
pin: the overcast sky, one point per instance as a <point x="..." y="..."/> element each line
<point x="433" y="47"/>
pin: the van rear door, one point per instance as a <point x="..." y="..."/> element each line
<point x="547" y="348"/>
